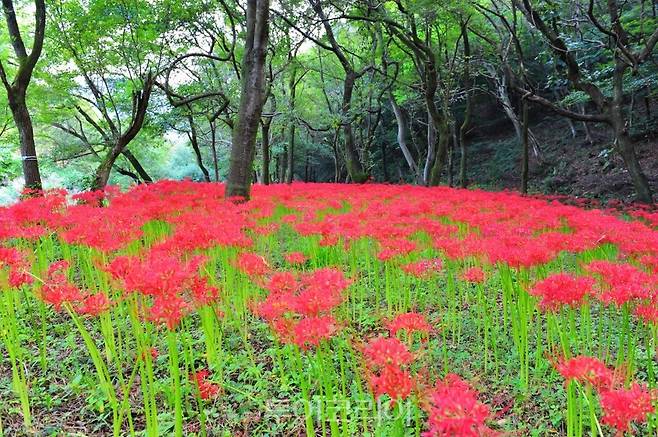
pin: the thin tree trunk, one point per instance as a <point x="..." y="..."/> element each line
<point x="384" y="163"/>
<point x="524" y="148"/>
<point x="252" y="98"/>
<point x="141" y="172"/>
<point x="588" y="132"/>
<point x="290" y="162"/>
<point x="194" y="141"/>
<point x="213" y="147"/>
<point x="463" y="129"/>
<point x="401" y="120"/>
<point x="265" y="134"/>
<point x="431" y="150"/>
<point x="290" y="158"/>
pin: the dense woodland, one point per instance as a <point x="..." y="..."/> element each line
<point x="126" y="92"/>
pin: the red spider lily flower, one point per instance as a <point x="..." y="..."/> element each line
<point x="648" y="313"/>
<point x="94" y="304"/>
<point x="454" y="410"/>
<point x="310" y="331"/>
<point x="474" y="275"/>
<point x="296" y="258"/>
<point x="202" y="292"/>
<point x="168" y="309"/>
<point x="19" y="276"/>
<point x="152" y="352"/>
<point x="284" y="328"/>
<point x="586" y="370"/>
<point x="562" y="289"/>
<point x="328" y="240"/>
<point x="395" y="247"/>
<point x="57" y="289"/>
<point x="332" y="281"/>
<point x="621" y="283"/>
<point x="252" y="264"/>
<point x="276" y="305"/>
<point x="282" y="283"/>
<point x="381" y="352"/>
<point x="314" y="301"/>
<point x="621" y="407"/>
<point x="409" y="323"/>
<point x="19" y="268"/>
<point x="423" y="268"/>
<point x="207" y="389"/>
<point x="391" y="381"/>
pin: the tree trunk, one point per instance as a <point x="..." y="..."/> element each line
<point x="290" y="156"/>
<point x="442" y="140"/>
<point x="17" y="87"/>
<point x="213" y="147"/>
<point x="265" y="134"/>
<point x="384" y="163"/>
<point x="194" y="141"/>
<point x="588" y="132"/>
<point x="354" y="167"/>
<point x="23" y="123"/>
<point x="401" y="120"/>
<point x="105" y="168"/>
<point x="431" y="149"/>
<point x="251" y="101"/>
<point x="623" y="142"/>
<point x="143" y="175"/>
<point x="524" y="149"/>
<point x="334" y="148"/>
<point x="626" y="148"/>
<point x="463" y="129"/>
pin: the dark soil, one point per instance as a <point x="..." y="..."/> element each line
<point x="566" y="165"/>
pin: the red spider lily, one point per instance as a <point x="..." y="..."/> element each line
<point x="474" y="275"/>
<point x="647" y="313"/>
<point x="57" y="289"/>
<point x="423" y="268"/>
<point x="587" y="370"/>
<point x="168" y="310"/>
<point x="332" y="281"/>
<point x="314" y="301"/>
<point x="621" y="407"/>
<point x="454" y="410"/>
<point x="94" y="304"/>
<point x="203" y="293"/>
<point x="276" y="305"/>
<point x="381" y="352"/>
<point x="157" y="274"/>
<point x="395" y="247"/>
<point x="562" y="289"/>
<point x="391" y="381"/>
<point x="296" y="258"/>
<point x="19" y="267"/>
<point x="207" y="389"/>
<point x="621" y="283"/>
<point x="282" y="283"/>
<point x="284" y="328"/>
<point x="310" y="331"/>
<point x="252" y="264"/>
<point x="409" y="323"/>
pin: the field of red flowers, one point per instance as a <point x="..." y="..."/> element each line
<point x="333" y="310"/>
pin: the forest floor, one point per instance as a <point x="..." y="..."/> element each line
<point x="566" y="165"/>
